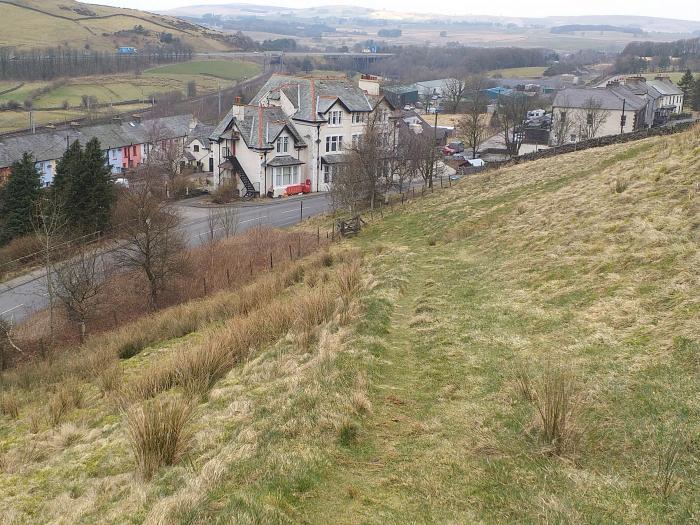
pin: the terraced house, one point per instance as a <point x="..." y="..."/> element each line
<point x="126" y="143"/>
<point x="294" y="134"/>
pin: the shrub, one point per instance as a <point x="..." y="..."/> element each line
<point x="159" y="433"/>
<point x="226" y="192"/>
<point x="348" y="433"/>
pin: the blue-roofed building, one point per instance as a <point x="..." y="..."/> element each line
<point x="495" y="92"/>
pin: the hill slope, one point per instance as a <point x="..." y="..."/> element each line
<point x="41" y="24"/>
<point x="414" y="398"/>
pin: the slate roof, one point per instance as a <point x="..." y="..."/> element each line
<point x="665" y="87"/>
<point x="312" y="98"/>
<point x="259" y="127"/>
<point x="50" y="145"/>
<point x="401" y="89"/>
<point x="284" y="160"/>
<point x="610" y="98"/>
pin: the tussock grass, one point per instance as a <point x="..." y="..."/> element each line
<point x="557" y="406"/>
<point x="159" y="433"/>
<point x="9" y="403"/>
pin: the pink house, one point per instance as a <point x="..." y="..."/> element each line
<point x="131" y="156"/>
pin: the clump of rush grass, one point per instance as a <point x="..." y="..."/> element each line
<point x="159" y="433"/>
<point x="348" y="279"/>
<point x="348" y="433"/>
<point x="311" y="310"/>
<point x="523" y="383"/>
<point x="68" y="395"/>
<point x="669" y="455"/>
<point x="621" y="184"/>
<point x="556" y="404"/>
<point x="9" y="403"/>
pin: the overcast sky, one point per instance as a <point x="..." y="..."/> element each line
<point x="685" y="9"/>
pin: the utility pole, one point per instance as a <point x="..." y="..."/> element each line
<point x="219" y="88"/>
<point x="623" y="118"/>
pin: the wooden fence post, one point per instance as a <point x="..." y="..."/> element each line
<point x="270" y="260"/>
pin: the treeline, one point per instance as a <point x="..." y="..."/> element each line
<point x="414" y="63"/>
<point x="658" y="56"/>
<point x="572" y="28"/>
<point x="52" y="63"/>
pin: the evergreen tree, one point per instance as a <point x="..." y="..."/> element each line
<point x="687" y="85"/>
<point x="84" y="187"/>
<point x="100" y="192"/>
<point x="696" y="94"/>
<point x="18" y="199"/>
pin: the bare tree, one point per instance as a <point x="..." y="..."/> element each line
<point x="165" y="153"/>
<point x="7" y="342"/>
<point x="228" y="220"/>
<point x="78" y="283"/>
<point x="453" y="91"/>
<point x="511" y="113"/>
<point x="562" y="124"/>
<point x="367" y="173"/>
<point x="49" y="224"/>
<point x="591" y="117"/>
<point x="423" y="156"/>
<point x="473" y="126"/>
<point x="153" y="243"/>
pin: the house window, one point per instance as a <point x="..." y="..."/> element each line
<point x="335" y="118"/>
<point x="133" y="149"/>
<point x="334" y="143"/>
<point x="286" y="175"/>
<point x="356" y="139"/>
<point x="283" y="145"/>
<point x="358" y="118"/>
<point x="196" y="148"/>
<point x="328" y="173"/>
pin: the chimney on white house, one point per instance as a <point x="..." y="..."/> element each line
<point x="238" y="109"/>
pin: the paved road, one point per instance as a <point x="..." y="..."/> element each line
<point x="23" y="295"/>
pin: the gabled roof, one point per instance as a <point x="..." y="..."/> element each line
<point x="50" y="145"/>
<point x="610" y="98"/>
<point x="312" y="98"/>
<point x="259" y="127"/>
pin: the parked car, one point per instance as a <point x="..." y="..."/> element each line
<point x="453" y="147"/>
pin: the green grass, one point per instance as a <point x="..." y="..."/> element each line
<point x="222" y="69"/>
<point x="517" y="72"/>
<point x="409" y="411"/>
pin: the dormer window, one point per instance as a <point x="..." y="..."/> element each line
<point x="335" y="118"/>
<point x="283" y="145"/>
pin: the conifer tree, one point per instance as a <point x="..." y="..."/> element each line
<point x="18" y="199"/>
<point x="696" y="94"/>
<point x="687" y="85"/>
<point x="100" y="192"/>
<point x="84" y="188"/>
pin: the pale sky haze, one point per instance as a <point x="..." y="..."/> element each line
<point x="679" y="9"/>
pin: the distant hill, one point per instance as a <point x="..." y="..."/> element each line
<point x="48" y="23"/>
<point x="645" y="23"/>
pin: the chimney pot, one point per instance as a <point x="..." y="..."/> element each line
<point x="237" y="101"/>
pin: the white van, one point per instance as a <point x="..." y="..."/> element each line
<point x="536" y="113"/>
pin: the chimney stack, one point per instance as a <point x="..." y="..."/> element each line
<point x="238" y="108"/>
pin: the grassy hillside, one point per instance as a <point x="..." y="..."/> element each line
<point x="41" y="23"/>
<point x="398" y="379"/>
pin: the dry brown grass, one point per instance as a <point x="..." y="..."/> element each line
<point x="234" y="263"/>
<point x="9" y="403"/>
<point x="159" y="433"/>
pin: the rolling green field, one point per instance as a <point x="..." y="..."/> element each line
<point x="518" y="72"/>
<point x="221" y="69"/>
<point x="207" y="74"/>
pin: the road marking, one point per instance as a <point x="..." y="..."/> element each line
<point x="13" y="308"/>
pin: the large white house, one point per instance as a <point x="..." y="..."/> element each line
<point x="584" y="113"/>
<point x="294" y="132"/>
